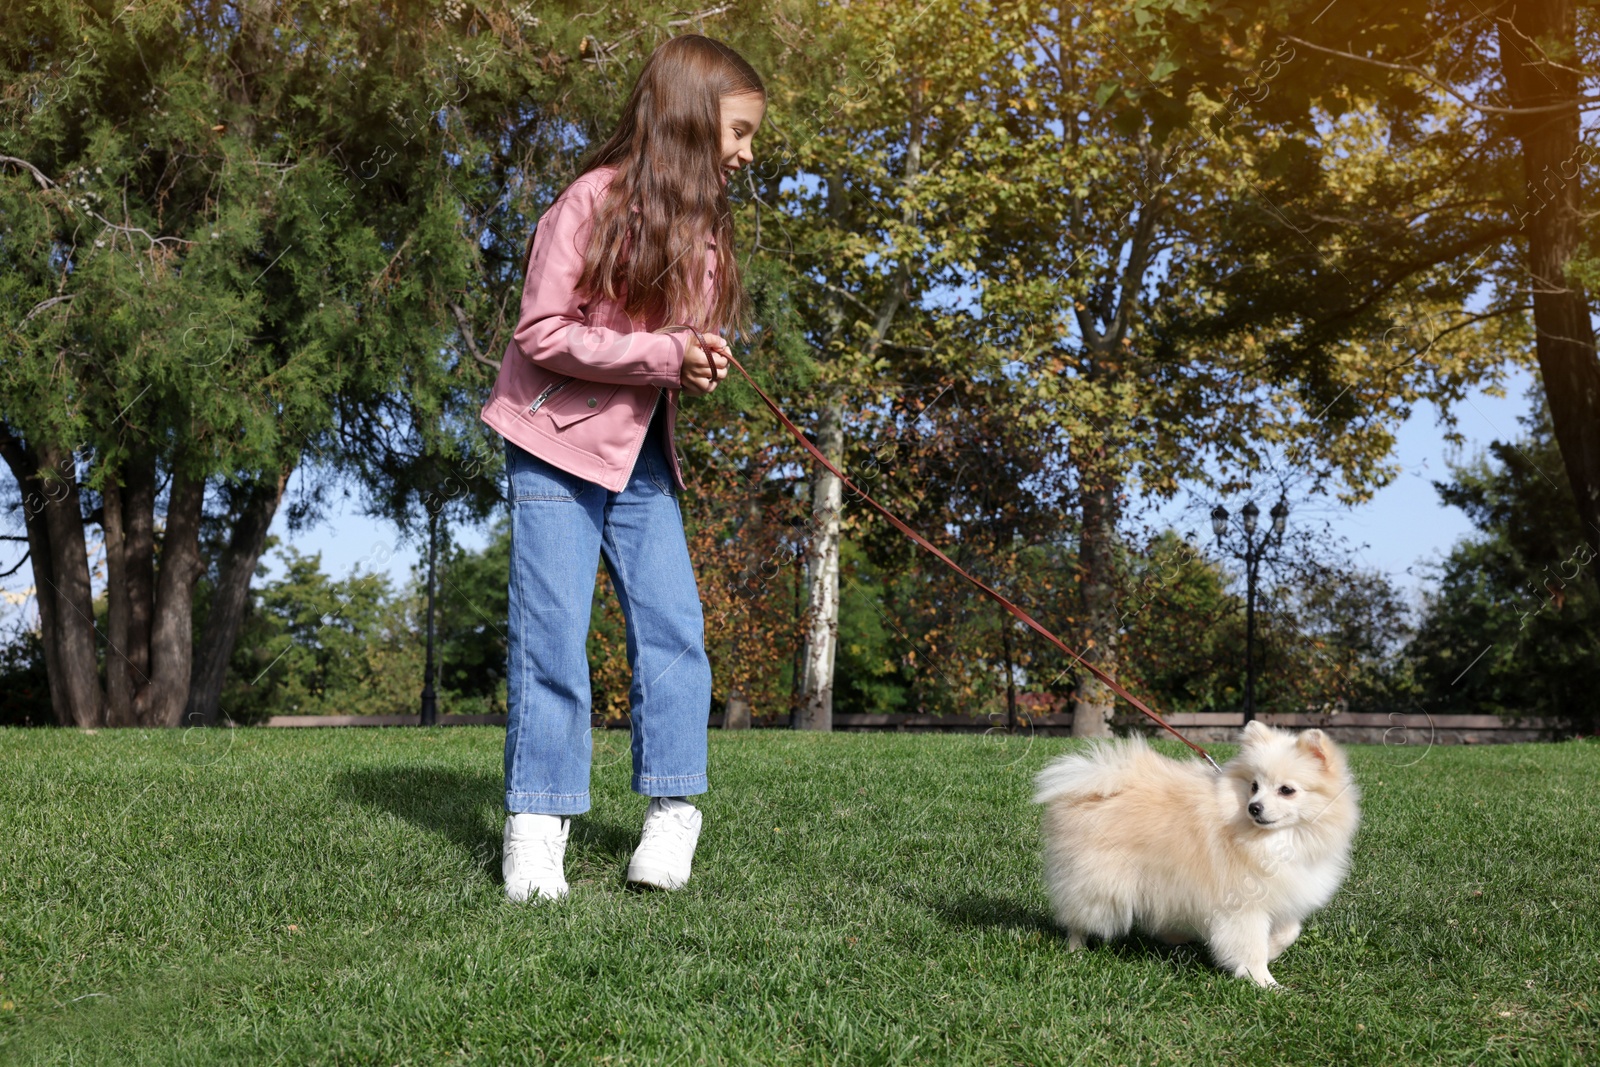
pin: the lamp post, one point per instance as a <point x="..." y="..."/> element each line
<point x="1252" y="557"/>
<point x="430" y="705"/>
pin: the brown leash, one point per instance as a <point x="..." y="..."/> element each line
<point x="919" y="539"/>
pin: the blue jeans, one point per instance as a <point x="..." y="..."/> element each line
<point x="561" y="525"/>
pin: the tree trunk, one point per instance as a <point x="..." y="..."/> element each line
<point x="161" y="702"/>
<point x="67" y="585"/>
<point x="24" y="464"/>
<point x="139" y="558"/>
<point x="736" y="715"/>
<point x="816" y="694"/>
<point x="797" y="673"/>
<point x="49" y="630"/>
<point x="1552" y="163"/>
<point x="121" y="681"/>
<point x="822" y="557"/>
<point x="1011" y="673"/>
<point x="231" y="597"/>
<point x="1092" y="699"/>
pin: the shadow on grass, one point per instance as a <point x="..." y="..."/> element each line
<point x="468" y="811"/>
<point x="980" y="911"/>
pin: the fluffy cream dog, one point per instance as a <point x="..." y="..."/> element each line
<point x="1237" y="859"/>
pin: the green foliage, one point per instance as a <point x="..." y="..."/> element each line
<point x="234" y="237"/>
<point x="871" y="672"/>
<point x="1514" y="626"/>
<point x="1384" y="201"/>
<point x="1182" y="630"/>
<point x="1333" y="640"/>
<point x="1328" y="637"/>
<point x="255" y="234"/>
<point x="24" y="685"/>
<point x="471" y="609"/>
<point x="234" y="254"/>
<point x="316" y="645"/>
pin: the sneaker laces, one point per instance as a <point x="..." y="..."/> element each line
<point x="668" y="826"/>
<point x="529" y="846"/>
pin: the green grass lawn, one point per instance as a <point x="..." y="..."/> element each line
<point x="333" y="896"/>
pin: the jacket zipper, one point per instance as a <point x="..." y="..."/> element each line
<point x="549" y="390"/>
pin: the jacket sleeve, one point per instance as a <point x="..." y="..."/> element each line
<point x="553" y="327"/>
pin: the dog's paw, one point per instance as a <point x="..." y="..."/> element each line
<point x="1075" y="941"/>
<point x="1259" y="975"/>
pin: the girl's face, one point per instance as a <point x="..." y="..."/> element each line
<point x="740" y="117"/>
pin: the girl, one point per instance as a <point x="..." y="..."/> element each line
<point x="586" y="399"/>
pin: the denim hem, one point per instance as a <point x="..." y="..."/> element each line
<point x="547" y="803"/>
<point x="681" y="786"/>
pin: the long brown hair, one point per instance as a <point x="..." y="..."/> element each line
<point x="667" y="151"/>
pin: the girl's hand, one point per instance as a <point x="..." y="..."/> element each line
<point x="703" y="368"/>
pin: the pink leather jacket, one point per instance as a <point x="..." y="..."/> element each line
<point x="579" y="380"/>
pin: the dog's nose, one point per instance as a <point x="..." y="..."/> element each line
<point x="1254" y="809"/>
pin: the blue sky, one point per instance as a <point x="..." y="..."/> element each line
<point x="1403" y="527"/>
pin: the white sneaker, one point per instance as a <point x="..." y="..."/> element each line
<point x="535" y="846"/>
<point x="666" y="848"/>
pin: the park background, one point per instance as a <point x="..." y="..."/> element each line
<point x="1048" y="283"/>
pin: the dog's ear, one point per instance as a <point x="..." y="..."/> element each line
<point x="1256" y="731"/>
<point x="1314" y="743"/>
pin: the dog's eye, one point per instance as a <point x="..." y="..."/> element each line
<point x="1286" y="790"/>
<point x="1253" y="787"/>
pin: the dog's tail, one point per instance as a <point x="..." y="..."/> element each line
<point x="1097" y="771"/>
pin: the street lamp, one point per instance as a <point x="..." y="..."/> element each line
<point x="430" y="703"/>
<point x="1252" y="556"/>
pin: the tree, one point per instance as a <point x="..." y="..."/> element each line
<point x="1514" y="627"/>
<point x="24" y="685"/>
<point x="1337" y="640"/>
<point x="1182" y="627"/>
<point x="243" y="238"/>
<point x="955" y="459"/>
<point x="1483" y="103"/>
<point x="747" y="534"/>
<point x="1100" y="257"/>
<point x="742" y="516"/>
<point x="473" y="613"/>
<point x="875" y="676"/>
<point x="870" y="211"/>
<point x="216" y="236"/>
<point x="313" y="645"/>
<point x="1329" y="635"/>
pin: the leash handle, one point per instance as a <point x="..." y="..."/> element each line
<point x="919" y="539"/>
